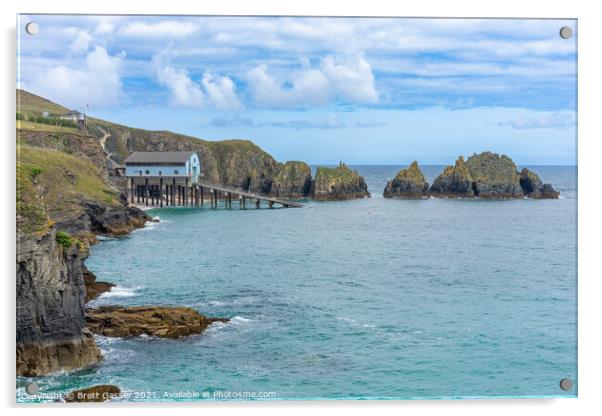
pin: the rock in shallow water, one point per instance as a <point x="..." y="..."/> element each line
<point x="408" y="184"/>
<point x="157" y="321"/>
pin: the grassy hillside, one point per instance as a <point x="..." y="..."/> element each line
<point x="54" y="182"/>
<point x="28" y="103"/>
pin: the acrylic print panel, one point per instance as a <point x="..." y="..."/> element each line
<point x="268" y="208"/>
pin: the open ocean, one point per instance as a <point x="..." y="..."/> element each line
<point x="369" y="298"/>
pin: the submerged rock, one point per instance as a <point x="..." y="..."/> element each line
<point x="533" y="187"/>
<point x="491" y="176"/>
<point x="157" y="321"/>
<point x="408" y="184"/>
<point x="338" y="183"/>
<point x="98" y="393"/>
<point x="293" y="180"/>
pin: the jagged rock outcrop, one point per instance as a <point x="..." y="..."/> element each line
<point x="490" y="176"/>
<point x="533" y="187"/>
<point x="50" y="323"/>
<point x="408" y="184"/>
<point x="340" y="183"/>
<point x="98" y="393"/>
<point x="158" y="321"/>
<point x="94" y="288"/>
<point x="455" y="181"/>
<point x="293" y="180"/>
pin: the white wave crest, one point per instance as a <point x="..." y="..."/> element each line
<point x="120" y="292"/>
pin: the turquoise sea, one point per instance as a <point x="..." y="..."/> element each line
<point x="372" y="298"/>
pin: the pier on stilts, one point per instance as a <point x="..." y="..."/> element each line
<point x="164" y="192"/>
<point x="158" y="179"/>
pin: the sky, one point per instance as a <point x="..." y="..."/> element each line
<point x="321" y="90"/>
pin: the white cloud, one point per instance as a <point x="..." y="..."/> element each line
<point x="213" y="90"/>
<point x="95" y="81"/>
<point x="183" y="91"/>
<point x="161" y="30"/>
<point x="350" y="80"/>
<point x="81" y="42"/>
<point x="221" y="92"/>
<point x="548" y="121"/>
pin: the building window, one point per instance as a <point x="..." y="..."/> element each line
<point x="147" y="172"/>
<point x="176" y="172"/>
<point x="160" y="173"/>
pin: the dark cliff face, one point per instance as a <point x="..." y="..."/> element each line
<point x="408" y="184"/>
<point x="490" y="176"/>
<point x="50" y="321"/>
<point x="338" y="183"/>
<point x="293" y="180"/>
<point x="59" y="187"/>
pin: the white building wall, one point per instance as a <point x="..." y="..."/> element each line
<point x="166" y="171"/>
<point x="156" y="171"/>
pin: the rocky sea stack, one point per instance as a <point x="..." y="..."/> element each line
<point x="293" y="180"/>
<point x="338" y="183"/>
<point x="489" y="176"/>
<point x="156" y="321"/>
<point x="408" y="184"/>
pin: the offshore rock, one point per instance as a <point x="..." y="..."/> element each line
<point x="494" y="176"/>
<point x="50" y="307"/>
<point x="340" y="183"/>
<point x="158" y="321"/>
<point x="533" y="187"/>
<point x="489" y="176"/>
<point x="455" y="181"/>
<point x="408" y="184"/>
<point x="293" y="180"/>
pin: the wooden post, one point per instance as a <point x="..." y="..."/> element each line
<point x="242" y="202"/>
<point x="257" y="201"/>
<point x="270" y="204"/>
<point x="173" y="192"/>
<point x="161" y="192"/>
<point x="146" y="191"/>
<point x="215" y="197"/>
<point x="186" y="192"/>
<point x="229" y="200"/>
<point x="202" y="196"/>
<point x="132" y="190"/>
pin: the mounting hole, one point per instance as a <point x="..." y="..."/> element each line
<point x="32" y="388"/>
<point x="566" y="384"/>
<point x="32" y="28"/>
<point x="566" y="32"/>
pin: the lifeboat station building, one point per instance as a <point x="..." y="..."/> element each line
<point x="160" y="178"/>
